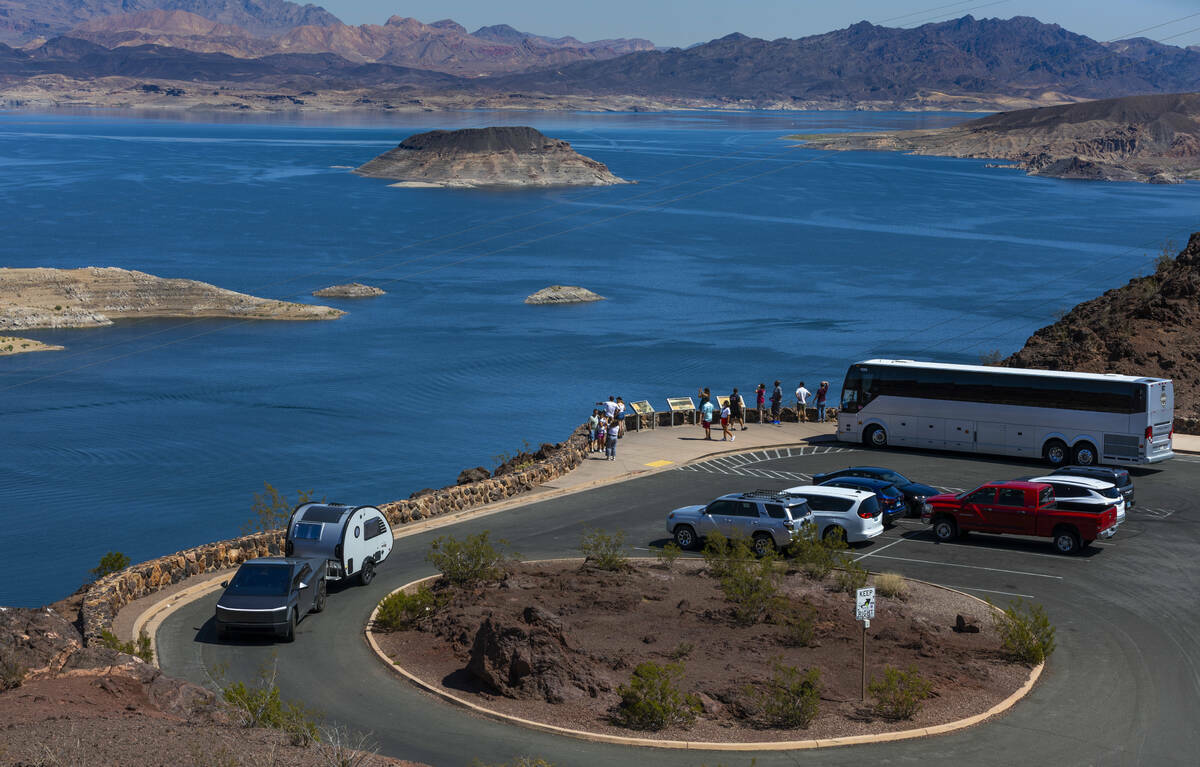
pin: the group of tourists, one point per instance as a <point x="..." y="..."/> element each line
<point x="730" y="413"/>
<point x="731" y="410"/>
<point x="605" y="426"/>
<point x="802" y="398"/>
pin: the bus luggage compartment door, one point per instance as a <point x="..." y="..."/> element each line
<point x="960" y="435"/>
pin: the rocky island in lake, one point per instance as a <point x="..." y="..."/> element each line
<point x="1153" y="139"/>
<point x="95" y="296"/>
<point x="563" y="294"/>
<point x="498" y="156"/>
<point x="349" y="290"/>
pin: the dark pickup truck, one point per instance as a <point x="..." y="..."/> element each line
<point x="270" y="595"/>
<point x="1019" y="508"/>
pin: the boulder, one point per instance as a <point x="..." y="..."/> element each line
<point x="964" y="625"/>
<point x="563" y="294"/>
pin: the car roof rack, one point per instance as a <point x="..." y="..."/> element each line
<point x="774" y="495"/>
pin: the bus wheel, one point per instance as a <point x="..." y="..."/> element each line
<point x="1085" y="454"/>
<point x="1055" y="452"/>
<point x="875" y="437"/>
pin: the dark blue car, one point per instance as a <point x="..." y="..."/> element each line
<point x="915" y="493"/>
<point x="891" y="500"/>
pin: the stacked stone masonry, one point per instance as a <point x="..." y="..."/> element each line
<point x="108" y="595"/>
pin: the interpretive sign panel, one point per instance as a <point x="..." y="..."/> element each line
<point x="680" y="404"/>
<point x="642" y="408"/>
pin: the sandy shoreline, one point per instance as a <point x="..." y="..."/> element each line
<point x="10" y="345"/>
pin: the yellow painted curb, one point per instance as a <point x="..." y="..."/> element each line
<point x="785" y="745"/>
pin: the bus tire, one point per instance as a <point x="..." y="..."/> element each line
<point x="1084" y="454"/>
<point x="875" y="436"/>
<point x="1066" y="541"/>
<point x="1055" y="452"/>
<point x="945" y="529"/>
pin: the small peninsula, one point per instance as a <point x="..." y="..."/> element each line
<point x="1152" y="139"/>
<point x="10" y="345"/>
<point x="96" y="296"/>
<point x="349" y="290"/>
<point x="563" y="294"/>
<point x="487" y="157"/>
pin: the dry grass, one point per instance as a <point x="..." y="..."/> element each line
<point x="891" y="585"/>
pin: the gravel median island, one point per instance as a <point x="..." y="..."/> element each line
<point x="553" y="641"/>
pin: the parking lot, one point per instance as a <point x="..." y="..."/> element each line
<point x="1122" y="688"/>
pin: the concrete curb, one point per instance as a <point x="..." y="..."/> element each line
<point x="785" y="745"/>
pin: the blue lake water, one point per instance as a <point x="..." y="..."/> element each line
<point x="735" y="259"/>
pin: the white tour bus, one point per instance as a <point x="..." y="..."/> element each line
<point x="1081" y="418"/>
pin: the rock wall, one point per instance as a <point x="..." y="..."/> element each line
<point x="108" y="595"/>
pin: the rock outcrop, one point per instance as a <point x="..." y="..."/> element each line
<point x="1139" y="138"/>
<point x="497" y="156"/>
<point x="563" y="294"/>
<point x="1149" y="327"/>
<point x="349" y="290"/>
<point x="95" y="296"/>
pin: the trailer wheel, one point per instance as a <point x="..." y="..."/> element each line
<point x="367" y="573"/>
<point x="290" y="635"/>
<point x="319" y="602"/>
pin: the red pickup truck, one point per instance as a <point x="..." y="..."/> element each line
<point x="1019" y="508"/>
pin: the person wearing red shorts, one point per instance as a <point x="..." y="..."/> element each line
<point x="726" y="434"/>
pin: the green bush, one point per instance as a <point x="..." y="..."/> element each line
<point x="401" y="611"/>
<point x="899" y="694"/>
<point x="261" y="705"/>
<point x="751" y="584"/>
<point x="668" y="554"/>
<point x="474" y="560"/>
<point x="604" y="550"/>
<point x="852" y="576"/>
<point x="140" y="649"/>
<point x="717" y="551"/>
<point x="682" y="650"/>
<point x="271" y="509"/>
<point x="792" y="698"/>
<point x="653" y="701"/>
<point x="1025" y="631"/>
<point x="112" y="562"/>
<point x="798" y="624"/>
<point x="813" y="556"/>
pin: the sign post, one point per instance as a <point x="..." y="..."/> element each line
<point x="643" y="408"/>
<point x="864" y="610"/>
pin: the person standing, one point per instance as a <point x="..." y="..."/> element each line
<point x="593" y="430"/>
<point x="706" y="416"/>
<point x="776" y="404"/>
<point x="621" y="415"/>
<point x="822" y="392"/>
<point x="610" y="407"/>
<point x="726" y="434"/>
<point x="614" y="433"/>
<point x="760" y="395"/>
<point x="602" y="432"/>
<point x="735" y="409"/>
<point x="702" y="396"/>
<point x="802" y="396"/>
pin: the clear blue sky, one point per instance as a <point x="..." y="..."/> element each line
<point x="683" y="22"/>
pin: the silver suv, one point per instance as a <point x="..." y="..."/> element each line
<point x="767" y="519"/>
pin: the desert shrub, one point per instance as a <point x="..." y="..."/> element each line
<point x="891" y="585"/>
<point x="139" y="649"/>
<point x="12" y="673"/>
<point x="474" y="560"/>
<point x="751" y="584"/>
<point x="1025" y="631"/>
<point x="653" y="700"/>
<point x="112" y="562"/>
<point x="271" y="509"/>
<point x="813" y="556"/>
<point x="260" y="705"/>
<point x="852" y="576"/>
<point x="520" y="761"/>
<point x="339" y="747"/>
<point x="604" y="550"/>
<point x="899" y="694"/>
<point x="682" y="650"/>
<point x="717" y="551"/>
<point x="791" y="698"/>
<point x="401" y="611"/>
<point x="798" y="623"/>
<point x="668" y="554"/>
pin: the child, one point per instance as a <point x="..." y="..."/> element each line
<point x="726" y="433"/>
<point x="602" y="434"/>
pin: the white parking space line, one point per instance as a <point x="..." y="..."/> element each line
<point x="987" y="591"/>
<point x="873" y="553"/>
<point x="975" y="567"/>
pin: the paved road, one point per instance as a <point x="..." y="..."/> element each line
<point x="1123" y="687"/>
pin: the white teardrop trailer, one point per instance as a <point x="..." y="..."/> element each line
<point x="355" y="539"/>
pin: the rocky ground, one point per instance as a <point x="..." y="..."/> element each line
<point x="1139" y="138"/>
<point x="552" y="642"/>
<point x="95" y="296"/>
<point x="497" y="156"/>
<point x="1148" y="327"/>
<point x="62" y="703"/>
<point x="349" y="290"/>
<point x="563" y="294"/>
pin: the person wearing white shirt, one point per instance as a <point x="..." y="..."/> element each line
<point x="802" y="396"/>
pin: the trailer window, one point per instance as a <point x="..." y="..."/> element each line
<point x="307" y="531"/>
<point x="373" y="527"/>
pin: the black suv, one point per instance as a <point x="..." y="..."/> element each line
<point x="271" y="595"/>
<point x="1119" y="477"/>
<point x="915" y="493"/>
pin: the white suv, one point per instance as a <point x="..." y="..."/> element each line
<point x="1085" y="490"/>
<point x="854" y="514"/>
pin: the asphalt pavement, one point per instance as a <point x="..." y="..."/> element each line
<point x="1123" y="687"/>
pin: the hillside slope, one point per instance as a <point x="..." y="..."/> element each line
<point x="1149" y="327"/>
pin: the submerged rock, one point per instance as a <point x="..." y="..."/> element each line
<point x="497" y="156"/>
<point x="349" y="290"/>
<point x="563" y="294"/>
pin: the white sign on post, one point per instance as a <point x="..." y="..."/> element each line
<point x="864" y="606"/>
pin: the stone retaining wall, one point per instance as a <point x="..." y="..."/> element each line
<point x="108" y="595"/>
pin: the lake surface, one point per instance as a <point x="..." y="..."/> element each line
<point x="735" y="259"/>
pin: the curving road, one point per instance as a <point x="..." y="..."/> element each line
<point x="1123" y="687"/>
